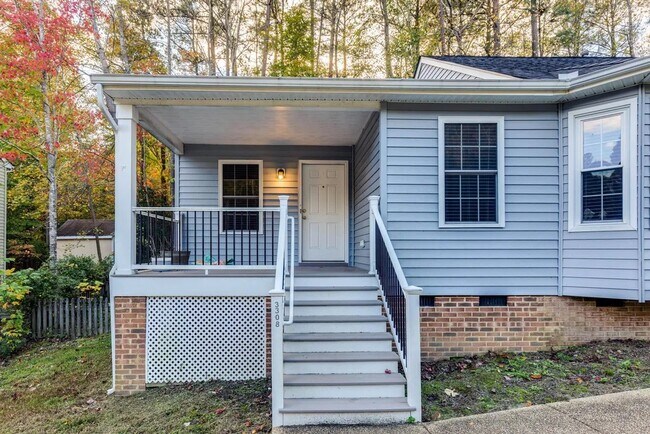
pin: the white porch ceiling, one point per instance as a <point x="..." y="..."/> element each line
<point x="247" y="125"/>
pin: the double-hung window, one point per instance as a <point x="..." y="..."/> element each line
<point x="602" y="167"/>
<point x="240" y="186"/>
<point x="471" y="178"/>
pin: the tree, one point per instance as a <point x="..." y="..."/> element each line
<point x="297" y="46"/>
<point x="40" y="80"/>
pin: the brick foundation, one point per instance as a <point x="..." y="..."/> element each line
<point x="130" y="323"/>
<point x="457" y="326"/>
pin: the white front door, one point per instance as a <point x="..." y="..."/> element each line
<point x="323" y="212"/>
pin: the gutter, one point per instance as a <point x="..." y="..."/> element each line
<point x="102" y="106"/>
<point x="389" y="90"/>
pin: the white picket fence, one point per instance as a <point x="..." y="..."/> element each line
<point x="71" y="317"/>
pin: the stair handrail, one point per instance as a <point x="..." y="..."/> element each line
<point x="291" y="269"/>
<point x="411" y="357"/>
<point x="277" y="316"/>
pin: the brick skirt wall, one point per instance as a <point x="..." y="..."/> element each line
<point x="457" y="326"/>
<point x="130" y="344"/>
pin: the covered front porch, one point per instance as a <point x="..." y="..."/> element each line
<point x="232" y="165"/>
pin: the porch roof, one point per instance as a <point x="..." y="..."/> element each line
<point x="362" y="93"/>
<point x="181" y="110"/>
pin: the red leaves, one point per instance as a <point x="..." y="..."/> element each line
<point x="41" y="41"/>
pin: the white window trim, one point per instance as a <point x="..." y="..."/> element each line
<point x="627" y="108"/>
<point x="260" y="163"/>
<point x="501" y="196"/>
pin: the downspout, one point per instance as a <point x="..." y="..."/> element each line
<point x="103" y="108"/>
<point x="641" y="190"/>
<point x="112" y="306"/>
<point x="113" y="122"/>
<point x="560" y="247"/>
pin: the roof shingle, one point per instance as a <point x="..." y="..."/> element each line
<point x="85" y="227"/>
<point x="535" y="67"/>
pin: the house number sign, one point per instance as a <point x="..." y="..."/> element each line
<point x="276" y="313"/>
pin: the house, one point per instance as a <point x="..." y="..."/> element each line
<point x="5" y="168"/>
<point x="79" y="237"/>
<point x="485" y="204"/>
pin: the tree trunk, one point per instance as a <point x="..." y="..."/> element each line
<point x="443" y="29"/>
<point x="320" y="31"/>
<point x="50" y="146"/>
<point x="168" y="19"/>
<point x="212" y="70"/>
<point x="344" y="42"/>
<point x="267" y="31"/>
<point x="330" y="64"/>
<point x="387" y="54"/>
<point x="496" y="28"/>
<point x="124" y="55"/>
<point x="631" y="32"/>
<point x="93" y="216"/>
<point x="312" y="12"/>
<point x="101" y="52"/>
<point x="416" y="25"/>
<point x="534" y="28"/>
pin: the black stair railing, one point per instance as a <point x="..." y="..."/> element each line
<point x="393" y="294"/>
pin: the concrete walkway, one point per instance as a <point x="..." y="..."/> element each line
<point x="626" y="412"/>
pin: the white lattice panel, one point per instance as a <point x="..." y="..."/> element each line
<point x="205" y="338"/>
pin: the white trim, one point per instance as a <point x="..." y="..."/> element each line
<point x="260" y="163"/>
<point x="165" y="285"/>
<point x="84" y="237"/>
<point x="213" y="91"/>
<point x="463" y="69"/>
<point x="346" y="210"/>
<point x="627" y="108"/>
<point x="501" y="175"/>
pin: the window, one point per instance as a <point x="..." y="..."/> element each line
<point x="602" y="164"/>
<point x="240" y="186"/>
<point x="471" y="184"/>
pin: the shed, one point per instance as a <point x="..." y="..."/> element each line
<point x="77" y="237"/>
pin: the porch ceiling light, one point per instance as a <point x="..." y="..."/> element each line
<point x="280" y="173"/>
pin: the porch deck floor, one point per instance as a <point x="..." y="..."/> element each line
<point x="301" y="270"/>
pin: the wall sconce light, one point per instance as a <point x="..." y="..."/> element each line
<point x="280" y="173"/>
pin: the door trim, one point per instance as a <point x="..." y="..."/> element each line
<point x="346" y="208"/>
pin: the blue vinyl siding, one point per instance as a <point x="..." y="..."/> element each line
<point x="198" y="172"/>
<point x="521" y="258"/>
<point x="597" y="264"/>
<point x="366" y="183"/>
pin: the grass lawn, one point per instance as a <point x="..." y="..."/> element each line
<point x="480" y="384"/>
<point x="61" y="387"/>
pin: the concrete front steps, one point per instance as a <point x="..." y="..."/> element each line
<point x="339" y="367"/>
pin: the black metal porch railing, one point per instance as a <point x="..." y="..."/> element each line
<point x="172" y="238"/>
<point x="393" y="294"/>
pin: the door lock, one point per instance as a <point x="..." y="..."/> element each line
<point x="303" y="212"/>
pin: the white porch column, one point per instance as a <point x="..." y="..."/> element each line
<point x="373" y="207"/>
<point x="413" y="368"/>
<point x="125" y="188"/>
<point x="277" y="319"/>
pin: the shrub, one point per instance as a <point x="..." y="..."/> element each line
<point x="74" y="277"/>
<point x="13" y="330"/>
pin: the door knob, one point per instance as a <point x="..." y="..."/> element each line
<point x="303" y="211"/>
